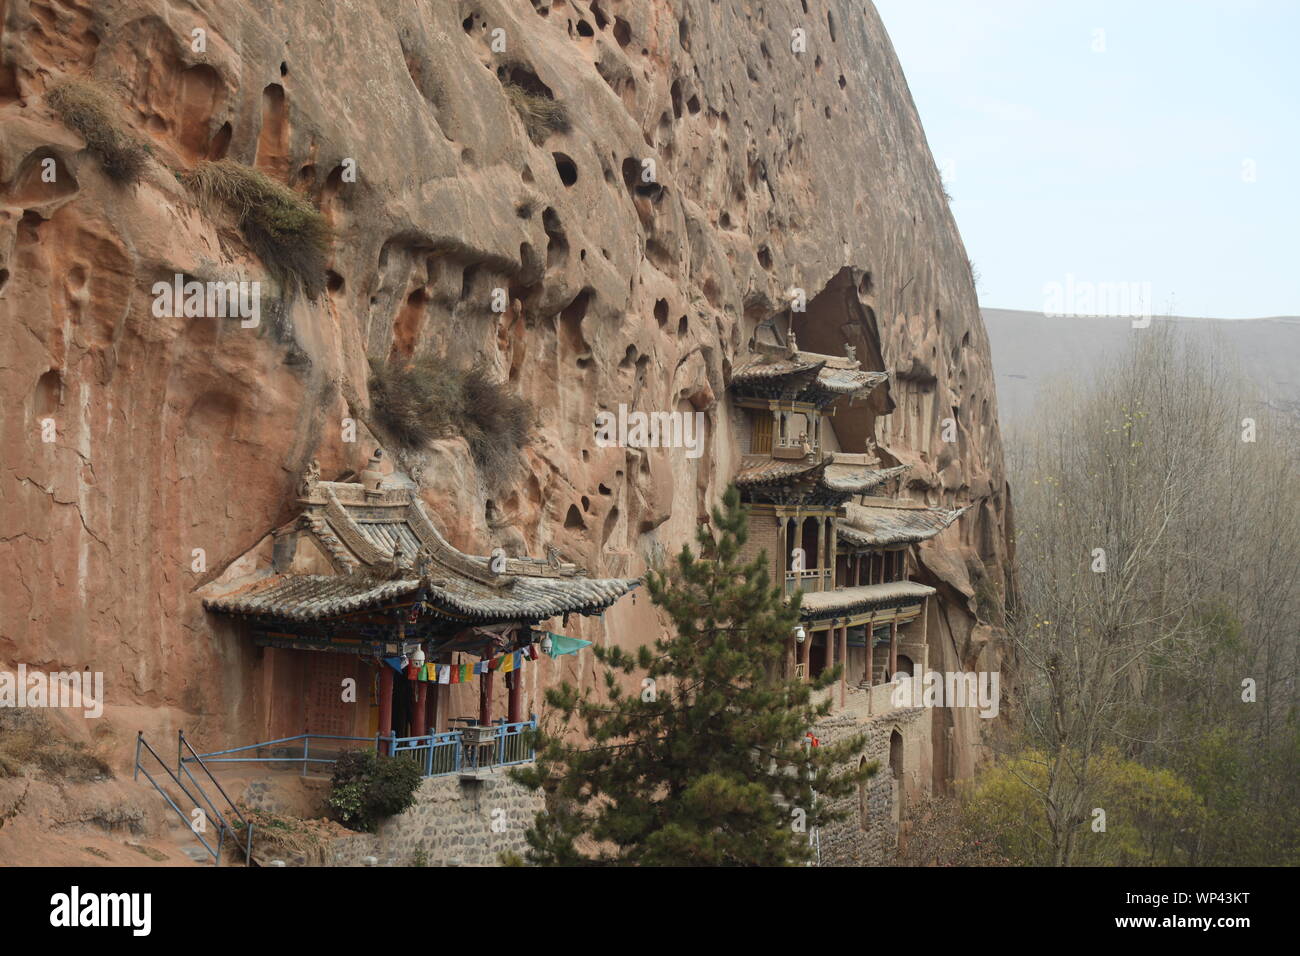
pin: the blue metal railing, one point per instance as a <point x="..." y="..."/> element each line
<point x="193" y="825"/>
<point x="473" y="748"/>
<point x="183" y="745"/>
<point x="513" y="746"/>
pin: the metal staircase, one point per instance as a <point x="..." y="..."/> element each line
<point x="187" y="798"/>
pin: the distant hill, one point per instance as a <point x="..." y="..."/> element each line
<point x="1029" y="348"/>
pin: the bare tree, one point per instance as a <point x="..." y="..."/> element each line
<point x="1144" y="510"/>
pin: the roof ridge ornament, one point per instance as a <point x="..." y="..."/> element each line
<point x="372" y="479"/>
<point x="310" y="478"/>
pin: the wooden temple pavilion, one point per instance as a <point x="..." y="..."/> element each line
<point x="362" y="579"/>
<point x="840" y="539"/>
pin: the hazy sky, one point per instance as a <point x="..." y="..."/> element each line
<point x="1168" y="155"/>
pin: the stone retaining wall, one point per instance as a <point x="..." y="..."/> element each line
<point x="454" y="822"/>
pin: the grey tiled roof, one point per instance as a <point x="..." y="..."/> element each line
<point x="833" y="477"/>
<point x="311" y="597"/>
<point x="775" y="471"/>
<point x="860" y="482"/>
<point x="809" y="370"/>
<point x="845" y="381"/>
<point x="866" y="527"/>
<point x="820" y="603"/>
<point x="769" y="371"/>
<point x="361" y="531"/>
<point x="314" y="597"/>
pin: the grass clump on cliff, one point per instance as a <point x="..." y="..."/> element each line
<point x="29" y="743"/>
<point x="541" y="114"/>
<point x="429" y="399"/>
<point x="283" y="229"/>
<point x="86" y="108"/>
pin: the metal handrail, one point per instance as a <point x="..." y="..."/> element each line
<point x="181" y="742"/>
<point x="216" y="755"/>
<point x="430" y="749"/>
<point x="139" y="768"/>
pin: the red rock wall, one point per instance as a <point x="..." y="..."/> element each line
<point x="776" y="171"/>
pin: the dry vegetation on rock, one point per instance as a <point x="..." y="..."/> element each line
<point x="541" y="114"/>
<point x="28" y="743"/>
<point x="86" y="108"/>
<point x="429" y="399"/>
<point x="284" y="230"/>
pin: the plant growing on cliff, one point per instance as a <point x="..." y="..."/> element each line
<point x="428" y="399"/>
<point x="283" y="229"/>
<point x="541" y="114"/>
<point x="708" y="765"/>
<point x="365" y="788"/>
<point x="86" y="108"/>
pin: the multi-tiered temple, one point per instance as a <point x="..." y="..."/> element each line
<point x="830" y="518"/>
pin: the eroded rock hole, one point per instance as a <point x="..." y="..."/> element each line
<point x="573" y="520"/>
<point x="557" y="246"/>
<point x="49" y="392"/>
<point x="566" y="167"/>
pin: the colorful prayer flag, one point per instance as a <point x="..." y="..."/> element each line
<point x="507" y="663"/>
<point x="444" y="674"/>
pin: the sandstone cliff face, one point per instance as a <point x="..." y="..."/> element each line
<point x="775" y="171"/>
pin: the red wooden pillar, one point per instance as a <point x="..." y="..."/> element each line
<point x="893" y="647"/>
<point x="431" y="705"/>
<point x="485" y="698"/>
<point x="805" y="652"/>
<point x="516" y="685"/>
<point x="385" y="702"/>
<point x="871" y="641"/>
<point x="417" y="710"/>
<point x="843" y="660"/>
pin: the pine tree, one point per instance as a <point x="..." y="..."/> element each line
<point x="709" y="764"/>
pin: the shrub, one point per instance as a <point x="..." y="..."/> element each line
<point x="541" y="114"/>
<point x="366" y="788"/>
<point x="427" y="400"/>
<point x="283" y="229"/>
<point x="87" y="109"/>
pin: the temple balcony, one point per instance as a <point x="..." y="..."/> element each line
<point x="815" y="580"/>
